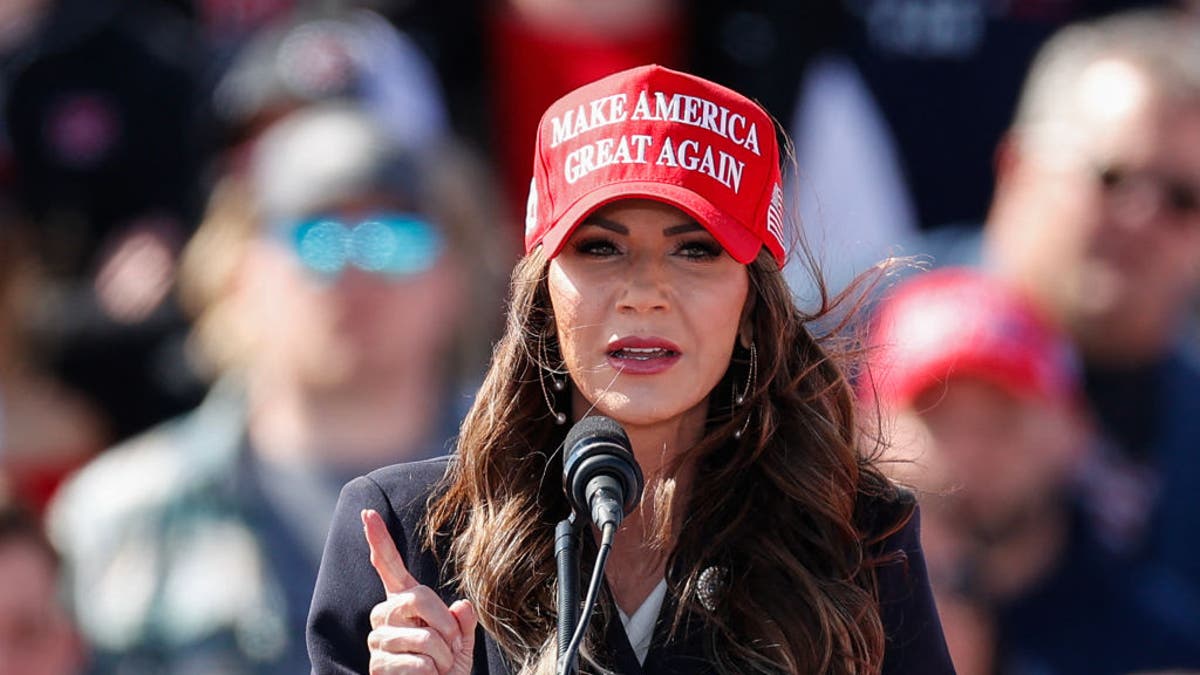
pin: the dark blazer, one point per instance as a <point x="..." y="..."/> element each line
<point x="348" y="587"/>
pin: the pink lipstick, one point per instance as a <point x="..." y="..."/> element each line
<point x="642" y="355"/>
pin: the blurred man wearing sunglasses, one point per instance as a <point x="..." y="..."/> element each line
<point x="344" y="289"/>
<point x="1096" y="216"/>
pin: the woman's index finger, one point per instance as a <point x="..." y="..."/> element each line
<point x="385" y="558"/>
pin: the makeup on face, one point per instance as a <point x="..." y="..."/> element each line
<point x="648" y="306"/>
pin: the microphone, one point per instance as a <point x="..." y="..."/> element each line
<point x="602" y="481"/>
<point x="600" y="475"/>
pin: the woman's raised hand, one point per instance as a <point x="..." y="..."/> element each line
<point x="413" y="631"/>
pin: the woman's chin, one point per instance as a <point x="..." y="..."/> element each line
<point x="633" y="411"/>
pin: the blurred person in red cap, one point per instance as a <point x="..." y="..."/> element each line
<point x="1096" y="217"/>
<point x="37" y="633"/>
<point x="650" y="295"/>
<point x="990" y="428"/>
<point x="344" y="289"/>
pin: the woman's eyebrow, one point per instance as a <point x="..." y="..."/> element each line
<point x="614" y="226"/>
<point x="607" y="224"/>
<point x="691" y="226"/>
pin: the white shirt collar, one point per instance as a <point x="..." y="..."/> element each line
<point x="640" y="627"/>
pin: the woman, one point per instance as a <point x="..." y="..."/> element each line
<point x="650" y="293"/>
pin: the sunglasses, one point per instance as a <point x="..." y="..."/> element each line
<point x="1175" y="196"/>
<point x="390" y="244"/>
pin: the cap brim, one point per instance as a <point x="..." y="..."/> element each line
<point x="742" y="245"/>
<point x="917" y="378"/>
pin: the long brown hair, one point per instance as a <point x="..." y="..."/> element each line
<point x="780" y="516"/>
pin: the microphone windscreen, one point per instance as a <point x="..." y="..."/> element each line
<point x="596" y="427"/>
<point x="597" y="446"/>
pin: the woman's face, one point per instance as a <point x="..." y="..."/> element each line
<point x="648" y="306"/>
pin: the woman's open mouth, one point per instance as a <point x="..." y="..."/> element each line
<point x="642" y="356"/>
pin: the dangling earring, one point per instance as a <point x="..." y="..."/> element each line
<point x="558" y="385"/>
<point x="751" y="382"/>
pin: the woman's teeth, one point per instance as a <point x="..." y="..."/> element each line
<point x="641" y="353"/>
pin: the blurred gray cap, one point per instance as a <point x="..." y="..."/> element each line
<point x="323" y="155"/>
<point x="355" y="55"/>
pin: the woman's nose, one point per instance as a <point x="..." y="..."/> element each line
<point x="646" y="287"/>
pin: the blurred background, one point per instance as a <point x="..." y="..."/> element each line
<point x="252" y="248"/>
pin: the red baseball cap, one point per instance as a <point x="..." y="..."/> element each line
<point x="660" y="134"/>
<point x="960" y="322"/>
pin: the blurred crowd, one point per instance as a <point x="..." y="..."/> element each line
<point x="250" y="249"/>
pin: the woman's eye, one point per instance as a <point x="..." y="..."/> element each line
<point x="700" y="250"/>
<point x="597" y="246"/>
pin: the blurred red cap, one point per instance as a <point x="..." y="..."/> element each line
<point x="960" y="322"/>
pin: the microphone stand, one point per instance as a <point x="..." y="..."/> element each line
<point x="566" y="555"/>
